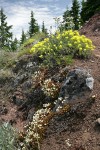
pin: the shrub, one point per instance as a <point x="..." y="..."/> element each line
<point x="7" y="137"/>
<point x="57" y="46"/>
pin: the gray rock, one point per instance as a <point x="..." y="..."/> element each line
<point x="89" y="82"/>
<point x="98" y="121"/>
<point x="20" y="79"/>
<point x="29" y="65"/>
<point x="76" y="87"/>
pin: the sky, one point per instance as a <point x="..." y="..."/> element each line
<point x="18" y="13"/>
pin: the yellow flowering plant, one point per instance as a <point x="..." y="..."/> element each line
<point x="62" y="44"/>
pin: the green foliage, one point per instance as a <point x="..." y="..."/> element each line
<point x="7" y="59"/>
<point x="89" y="8"/>
<point x="5" y="74"/>
<point x="23" y="37"/>
<point x="5" y="34"/>
<point x="28" y="42"/>
<point x="75" y="13"/>
<point x="14" y="45"/>
<point x="33" y="28"/>
<point x="44" y="30"/>
<point x="25" y="47"/>
<point x="24" y="51"/>
<point x="39" y="36"/>
<point x="55" y="48"/>
<point x="7" y="137"/>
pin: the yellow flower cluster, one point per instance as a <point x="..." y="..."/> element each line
<point x="41" y="46"/>
<point x="70" y="41"/>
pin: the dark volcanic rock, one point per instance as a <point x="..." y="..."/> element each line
<point x="20" y="79"/>
<point x="27" y="63"/>
<point x="78" y="84"/>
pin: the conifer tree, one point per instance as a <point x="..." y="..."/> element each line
<point x="43" y="27"/>
<point x="33" y="26"/>
<point x="14" y="44"/>
<point x="5" y="34"/>
<point x="23" y="37"/>
<point x="89" y="8"/>
<point x="83" y="3"/>
<point x="44" y="30"/>
<point x="75" y="9"/>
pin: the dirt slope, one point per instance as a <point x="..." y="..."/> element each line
<point x="92" y="26"/>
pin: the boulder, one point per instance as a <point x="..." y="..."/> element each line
<point x="76" y="87"/>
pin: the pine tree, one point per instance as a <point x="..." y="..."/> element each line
<point x="44" y="30"/>
<point x="14" y="44"/>
<point x="43" y="27"/>
<point x="75" y="9"/>
<point x="83" y="3"/>
<point x="89" y="8"/>
<point x="5" y="34"/>
<point x="33" y="28"/>
<point x="23" y="37"/>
